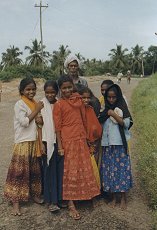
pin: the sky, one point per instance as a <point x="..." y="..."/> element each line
<point x="89" y="27"/>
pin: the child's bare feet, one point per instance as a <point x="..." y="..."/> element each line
<point x="16" y="209"/>
<point x="38" y="200"/>
<point x="123" y="205"/>
<point x="112" y="204"/>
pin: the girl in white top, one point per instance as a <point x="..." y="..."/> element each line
<point x="51" y="161"/>
<point x="23" y="179"/>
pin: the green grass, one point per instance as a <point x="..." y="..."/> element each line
<point x="144" y="107"/>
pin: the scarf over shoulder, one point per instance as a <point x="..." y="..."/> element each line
<point x="48" y="129"/>
<point x="32" y="105"/>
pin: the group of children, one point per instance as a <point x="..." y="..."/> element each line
<point x="57" y="146"/>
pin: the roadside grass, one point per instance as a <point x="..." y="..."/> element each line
<point x="144" y="108"/>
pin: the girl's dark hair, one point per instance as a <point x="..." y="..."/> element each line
<point x="115" y="90"/>
<point x="107" y="82"/>
<point x="83" y="89"/>
<point x="24" y="82"/>
<point x="64" y="78"/>
<point x="51" y="83"/>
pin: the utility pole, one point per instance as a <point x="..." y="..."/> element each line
<point x="41" y="34"/>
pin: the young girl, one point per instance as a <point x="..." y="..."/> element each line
<point x="23" y="179"/>
<point x="104" y="85"/>
<point x="94" y="129"/>
<point x="79" y="182"/>
<point x="115" y="166"/>
<point x="53" y="163"/>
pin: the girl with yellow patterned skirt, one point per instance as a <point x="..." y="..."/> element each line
<point x="23" y="179"/>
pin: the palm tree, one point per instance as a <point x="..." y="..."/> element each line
<point x="11" y="57"/>
<point x="137" y="59"/>
<point x="118" y="58"/>
<point x="151" y="56"/>
<point x="35" y="58"/>
<point x="80" y="57"/>
<point x="58" y="58"/>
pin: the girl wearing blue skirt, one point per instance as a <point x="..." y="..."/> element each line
<point x="115" y="168"/>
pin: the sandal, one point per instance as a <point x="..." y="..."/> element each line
<point x="53" y="208"/>
<point x="62" y="204"/>
<point x="74" y="213"/>
<point x="37" y="200"/>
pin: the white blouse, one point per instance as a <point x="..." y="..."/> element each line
<point x="24" y="131"/>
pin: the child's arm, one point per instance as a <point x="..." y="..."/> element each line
<point x="116" y="117"/>
<point x="39" y="106"/>
<point x="58" y="121"/>
<point x="40" y="139"/>
<point x="59" y="141"/>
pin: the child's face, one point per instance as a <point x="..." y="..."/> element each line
<point x="67" y="89"/>
<point x="104" y="88"/>
<point x="50" y="94"/>
<point x="86" y="98"/>
<point x="111" y="97"/>
<point x="29" y="91"/>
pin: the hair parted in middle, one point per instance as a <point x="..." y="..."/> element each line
<point x="64" y="78"/>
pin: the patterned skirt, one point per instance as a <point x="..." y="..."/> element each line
<point x="79" y="182"/>
<point x="115" y="169"/>
<point x="23" y="179"/>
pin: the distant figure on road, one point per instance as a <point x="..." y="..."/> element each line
<point x="119" y="77"/>
<point x="128" y="76"/>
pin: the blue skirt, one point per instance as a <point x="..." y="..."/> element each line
<point x="115" y="170"/>
<point x="52" y="177"/>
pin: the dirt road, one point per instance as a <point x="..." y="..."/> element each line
<point x="36" y="217"/>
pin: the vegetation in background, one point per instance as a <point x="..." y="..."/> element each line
<point x="144" y="105"/>
<point x="120" y="59"/>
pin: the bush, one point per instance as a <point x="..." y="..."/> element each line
<point x="144" y="105"/>
<point x="26" y="71"/>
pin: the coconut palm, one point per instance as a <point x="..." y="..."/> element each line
<point x="35" y="58"/>
<point x="80" y="57"/>
<point x="137" y="59"/>
<point x="151" y="58"/>
<point x="58" y="58"/>
<point x="118" y="58"/>
<point x="11" y="57"/>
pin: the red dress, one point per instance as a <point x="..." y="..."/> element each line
<point x="79" y="182"/>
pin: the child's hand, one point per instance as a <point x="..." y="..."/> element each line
<point x="95" y="133"/>
<point x="40" y="105"/>
<point x="43" y="149"/>
<point x="61" y="152"/>
<point x="39" y="120"/>
<point x="110" y="112"/>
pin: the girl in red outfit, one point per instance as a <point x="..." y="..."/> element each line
<point x="79" y="182"/>
<point x="94" y="129"/>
